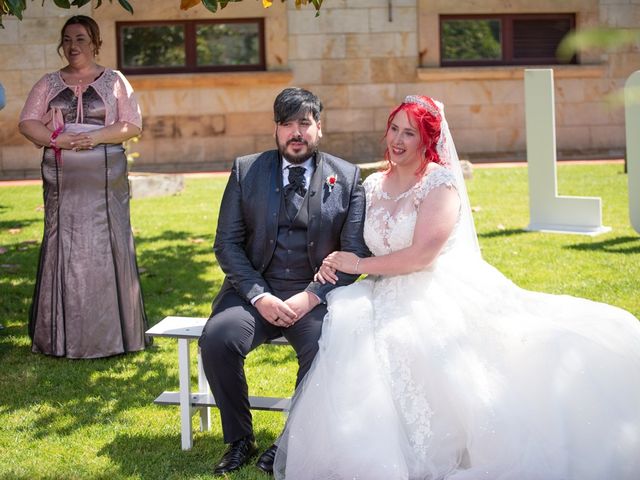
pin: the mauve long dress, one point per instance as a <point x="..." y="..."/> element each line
<point x="87" y="301"/>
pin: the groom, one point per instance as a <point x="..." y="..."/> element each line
<point x="282" y="212"/>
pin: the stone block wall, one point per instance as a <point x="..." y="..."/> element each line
<point x="28" y="51"/>
<point x="361" y="56"/>
<point x="486" y="105"/>
<point x="361" y="76"/>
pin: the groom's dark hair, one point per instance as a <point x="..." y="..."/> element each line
<point x="294" y="103"/>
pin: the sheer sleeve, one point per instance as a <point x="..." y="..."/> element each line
<point x="128" y="108"/>
<point x="370" y="183"/>
<point x="37" y="102"/>
<point x="441" y="176"/>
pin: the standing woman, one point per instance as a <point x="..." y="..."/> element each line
<point x="87" y="301"/>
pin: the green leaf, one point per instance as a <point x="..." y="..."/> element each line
<point x="99" y="3"/>
<point x="211" y="5"/>
<point x="80" y="3"/>
<point x="126" y="6"/>
<point x="15" y="7"/>
<point x="602" y="38"/>
<point x="62" y="3"/>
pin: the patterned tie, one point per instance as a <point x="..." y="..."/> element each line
<point x="296" y="190"/>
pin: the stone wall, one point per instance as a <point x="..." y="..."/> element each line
<point x="360" y="56"/>
<point x="486" y="106"/>
<point x="203" y="121"/>
<point x="359" y="68"/>
<point x="28" y="52"/>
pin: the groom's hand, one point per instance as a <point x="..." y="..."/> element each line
<point x="302" y="303"/>
<point x="326" y="274"/>
<point x="275" y="311"/>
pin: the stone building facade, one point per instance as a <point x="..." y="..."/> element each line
<point x="360" y="56"/>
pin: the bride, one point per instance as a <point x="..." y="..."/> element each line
<point x="436" y="366"/>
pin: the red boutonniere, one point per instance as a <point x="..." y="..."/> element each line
<point x="331" y="182"/>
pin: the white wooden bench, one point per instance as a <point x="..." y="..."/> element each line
<point x="185" y="330"/>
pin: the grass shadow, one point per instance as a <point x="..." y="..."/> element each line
<point x="18" y="267"/>
<point x="8" y="224"/>
<point x="503" y="233"/>
<point x="173" y="271"/>
<point x="160" y="456"/>
<point x="625" y="245"/>
<point x="67" y="395"/>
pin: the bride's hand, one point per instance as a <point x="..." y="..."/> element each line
<point x="346" y="262"/>
<point x="326" y="274"/>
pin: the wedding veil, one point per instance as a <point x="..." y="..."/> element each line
<point x="466" y="238"/>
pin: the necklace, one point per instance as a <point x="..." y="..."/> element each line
<point x="80" y="79"/>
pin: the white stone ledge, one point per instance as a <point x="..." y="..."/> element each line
<point x="507" y="72"/>
<point x="143" y="185"/>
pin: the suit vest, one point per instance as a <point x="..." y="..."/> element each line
<point x="290" y="268"/>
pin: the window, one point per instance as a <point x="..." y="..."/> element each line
<point x="191" y="46"/>
<point x="502" y="39"/>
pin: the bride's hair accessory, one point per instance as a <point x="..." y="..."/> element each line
<point x="426" y="102"/>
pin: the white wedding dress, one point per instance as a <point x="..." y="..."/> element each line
<point x="454" y="372"/>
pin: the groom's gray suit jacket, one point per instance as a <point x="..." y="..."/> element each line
<point x="247" y="230"/>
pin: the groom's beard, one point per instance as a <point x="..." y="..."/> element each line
<point x="302" y="155"/>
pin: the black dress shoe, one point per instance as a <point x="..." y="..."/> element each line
<point x="238" y="454"/>
<point x="265" y="462"/>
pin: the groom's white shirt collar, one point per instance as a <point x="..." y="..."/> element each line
<point x="308" y="164"/>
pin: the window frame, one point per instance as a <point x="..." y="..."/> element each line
<point x="506" y="39"/>
<point x="190" y="46"/>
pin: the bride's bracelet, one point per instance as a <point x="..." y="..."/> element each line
<point x="358" y="264"/>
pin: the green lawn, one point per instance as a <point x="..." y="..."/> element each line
<point x="65" y="419"/>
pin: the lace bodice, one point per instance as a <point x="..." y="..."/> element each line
<point x="390" y="221"/>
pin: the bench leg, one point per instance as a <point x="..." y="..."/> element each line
<point x="185" y="394"/>
<point x="203" y="387"/>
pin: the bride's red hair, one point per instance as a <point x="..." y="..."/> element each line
<point x="425" y="115"/>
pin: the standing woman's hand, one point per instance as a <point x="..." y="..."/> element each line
<point x="65" y="141"/>
<point x="84" y="140"/>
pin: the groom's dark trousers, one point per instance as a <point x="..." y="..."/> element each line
<point x="261" y="249"/>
